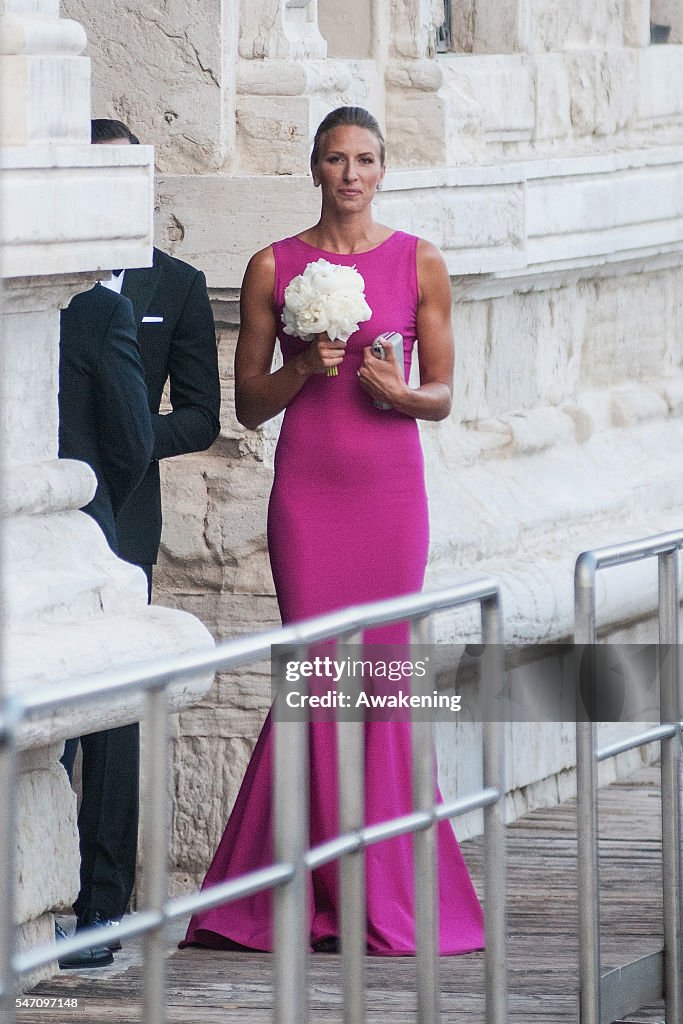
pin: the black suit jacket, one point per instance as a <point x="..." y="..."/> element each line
<point x="177" y="342"/>
<point x="104" y="416"/>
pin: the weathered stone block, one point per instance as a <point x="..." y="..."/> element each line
<point x="471" y="349"/>
<point x="240" y="711"/>
<point x="660" y="94"/>
<point x="500" y="91"/>
<point x="226" y="219"/>
<point x="38" y="932"/>
<point x="347" y="28"/>
<point x="637" y="16"/>
<point x="28" y="386"/>
<point x="96" y="202"/>
<point x="225" y="614"/>
<point x="633" y="404"/>
<point x="208" y="776"/>
<point x="623" y="340"/>
<point x="270" y="29"/>
<point x="167" y="71"/>
<point x="582" y="25"/>
<point x="491" y="26"/>
<point x="43" y="99"/>
<point x="275" y="132"/>
<point x="540" y="365"/>
<point x="479" y="226"/>
<point x="413" y="27"/>
<point x="604" y="90"/>
<point x="187" y="500"/>
<point x="433" y="112"/>
<point x="553" y="97"/>
<point x="46" y="808"/>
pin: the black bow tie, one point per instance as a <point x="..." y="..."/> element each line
<point x="117" y="273"/>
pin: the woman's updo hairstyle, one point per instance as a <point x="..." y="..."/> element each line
<point x="359" y="117"/>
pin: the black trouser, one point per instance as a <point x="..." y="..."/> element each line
<point x="108" y="818"/>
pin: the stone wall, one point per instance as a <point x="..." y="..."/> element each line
<point x="544" y="155"/>
<point x="167" y="70"/>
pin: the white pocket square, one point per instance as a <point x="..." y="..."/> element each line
<point x="152" y="319"/>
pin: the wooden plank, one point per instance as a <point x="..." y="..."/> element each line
<point x="235" y="988"/>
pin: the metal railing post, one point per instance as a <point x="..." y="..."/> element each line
<point x="291" y="826"/>
<point x="587" y="806"/>
<point x="351" y="768"/>
<point x="155" y="832"/>
<point x="8" y="811"/>
<point x="288" y="875"/>
<point x="645" y="973"/>
<point x="424" y="847"/>
<point x="8" y="834"/>
<point x="670" y="767"/>
<point x="495" y="858"/>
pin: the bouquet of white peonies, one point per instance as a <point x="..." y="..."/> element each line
<point x="325" y="299"/>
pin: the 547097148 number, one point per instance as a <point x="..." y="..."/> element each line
<point x="44" y="1003"/>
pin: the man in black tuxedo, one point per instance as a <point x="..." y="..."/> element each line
<point x="177" y="342"/>
<point x="104" y="420"/>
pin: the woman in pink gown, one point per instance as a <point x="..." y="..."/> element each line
<point x="347" y="523"/>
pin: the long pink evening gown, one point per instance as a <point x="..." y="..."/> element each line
<point x="347" y="523"/>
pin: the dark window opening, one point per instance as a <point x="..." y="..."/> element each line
<point x="444" y="33"/>
<point x="659" y="33"/>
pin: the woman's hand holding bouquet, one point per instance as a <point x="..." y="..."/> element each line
<point x="327" y="301"/>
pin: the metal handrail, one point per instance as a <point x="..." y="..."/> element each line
<point x="236" y="652"/>
<point x="293" y="858"/>
<point x="665" y="548"/>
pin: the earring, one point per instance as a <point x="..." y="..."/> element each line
<point x="379" y="187"/>
<point x="316" y="183"/>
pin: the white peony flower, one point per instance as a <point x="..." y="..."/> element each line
<point x="325" y="298"/>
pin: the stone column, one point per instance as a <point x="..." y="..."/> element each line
<point x="282" y="84"/>
<point x="428" y="106"/>
<point x="637" y="17"/>
<point x="496" y="26"/>
<point x="280" y="30"/>
<point x="70" y="608"/>
<point x="286" y="86"/>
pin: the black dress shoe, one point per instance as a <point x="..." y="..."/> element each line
<point x="95" y="956"/>
<point x="94" y="919"/>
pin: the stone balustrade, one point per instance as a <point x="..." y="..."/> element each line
<point x="70" y="607"/>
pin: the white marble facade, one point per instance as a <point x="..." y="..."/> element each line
<point x="542" y="148"/>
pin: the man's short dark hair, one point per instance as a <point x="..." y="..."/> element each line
<point x="104" y="129"/>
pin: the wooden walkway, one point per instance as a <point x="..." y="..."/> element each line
<point x="206" y="987"/>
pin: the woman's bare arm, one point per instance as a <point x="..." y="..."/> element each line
<point x="260" y="394"/>
<point x="432" y="400"/>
